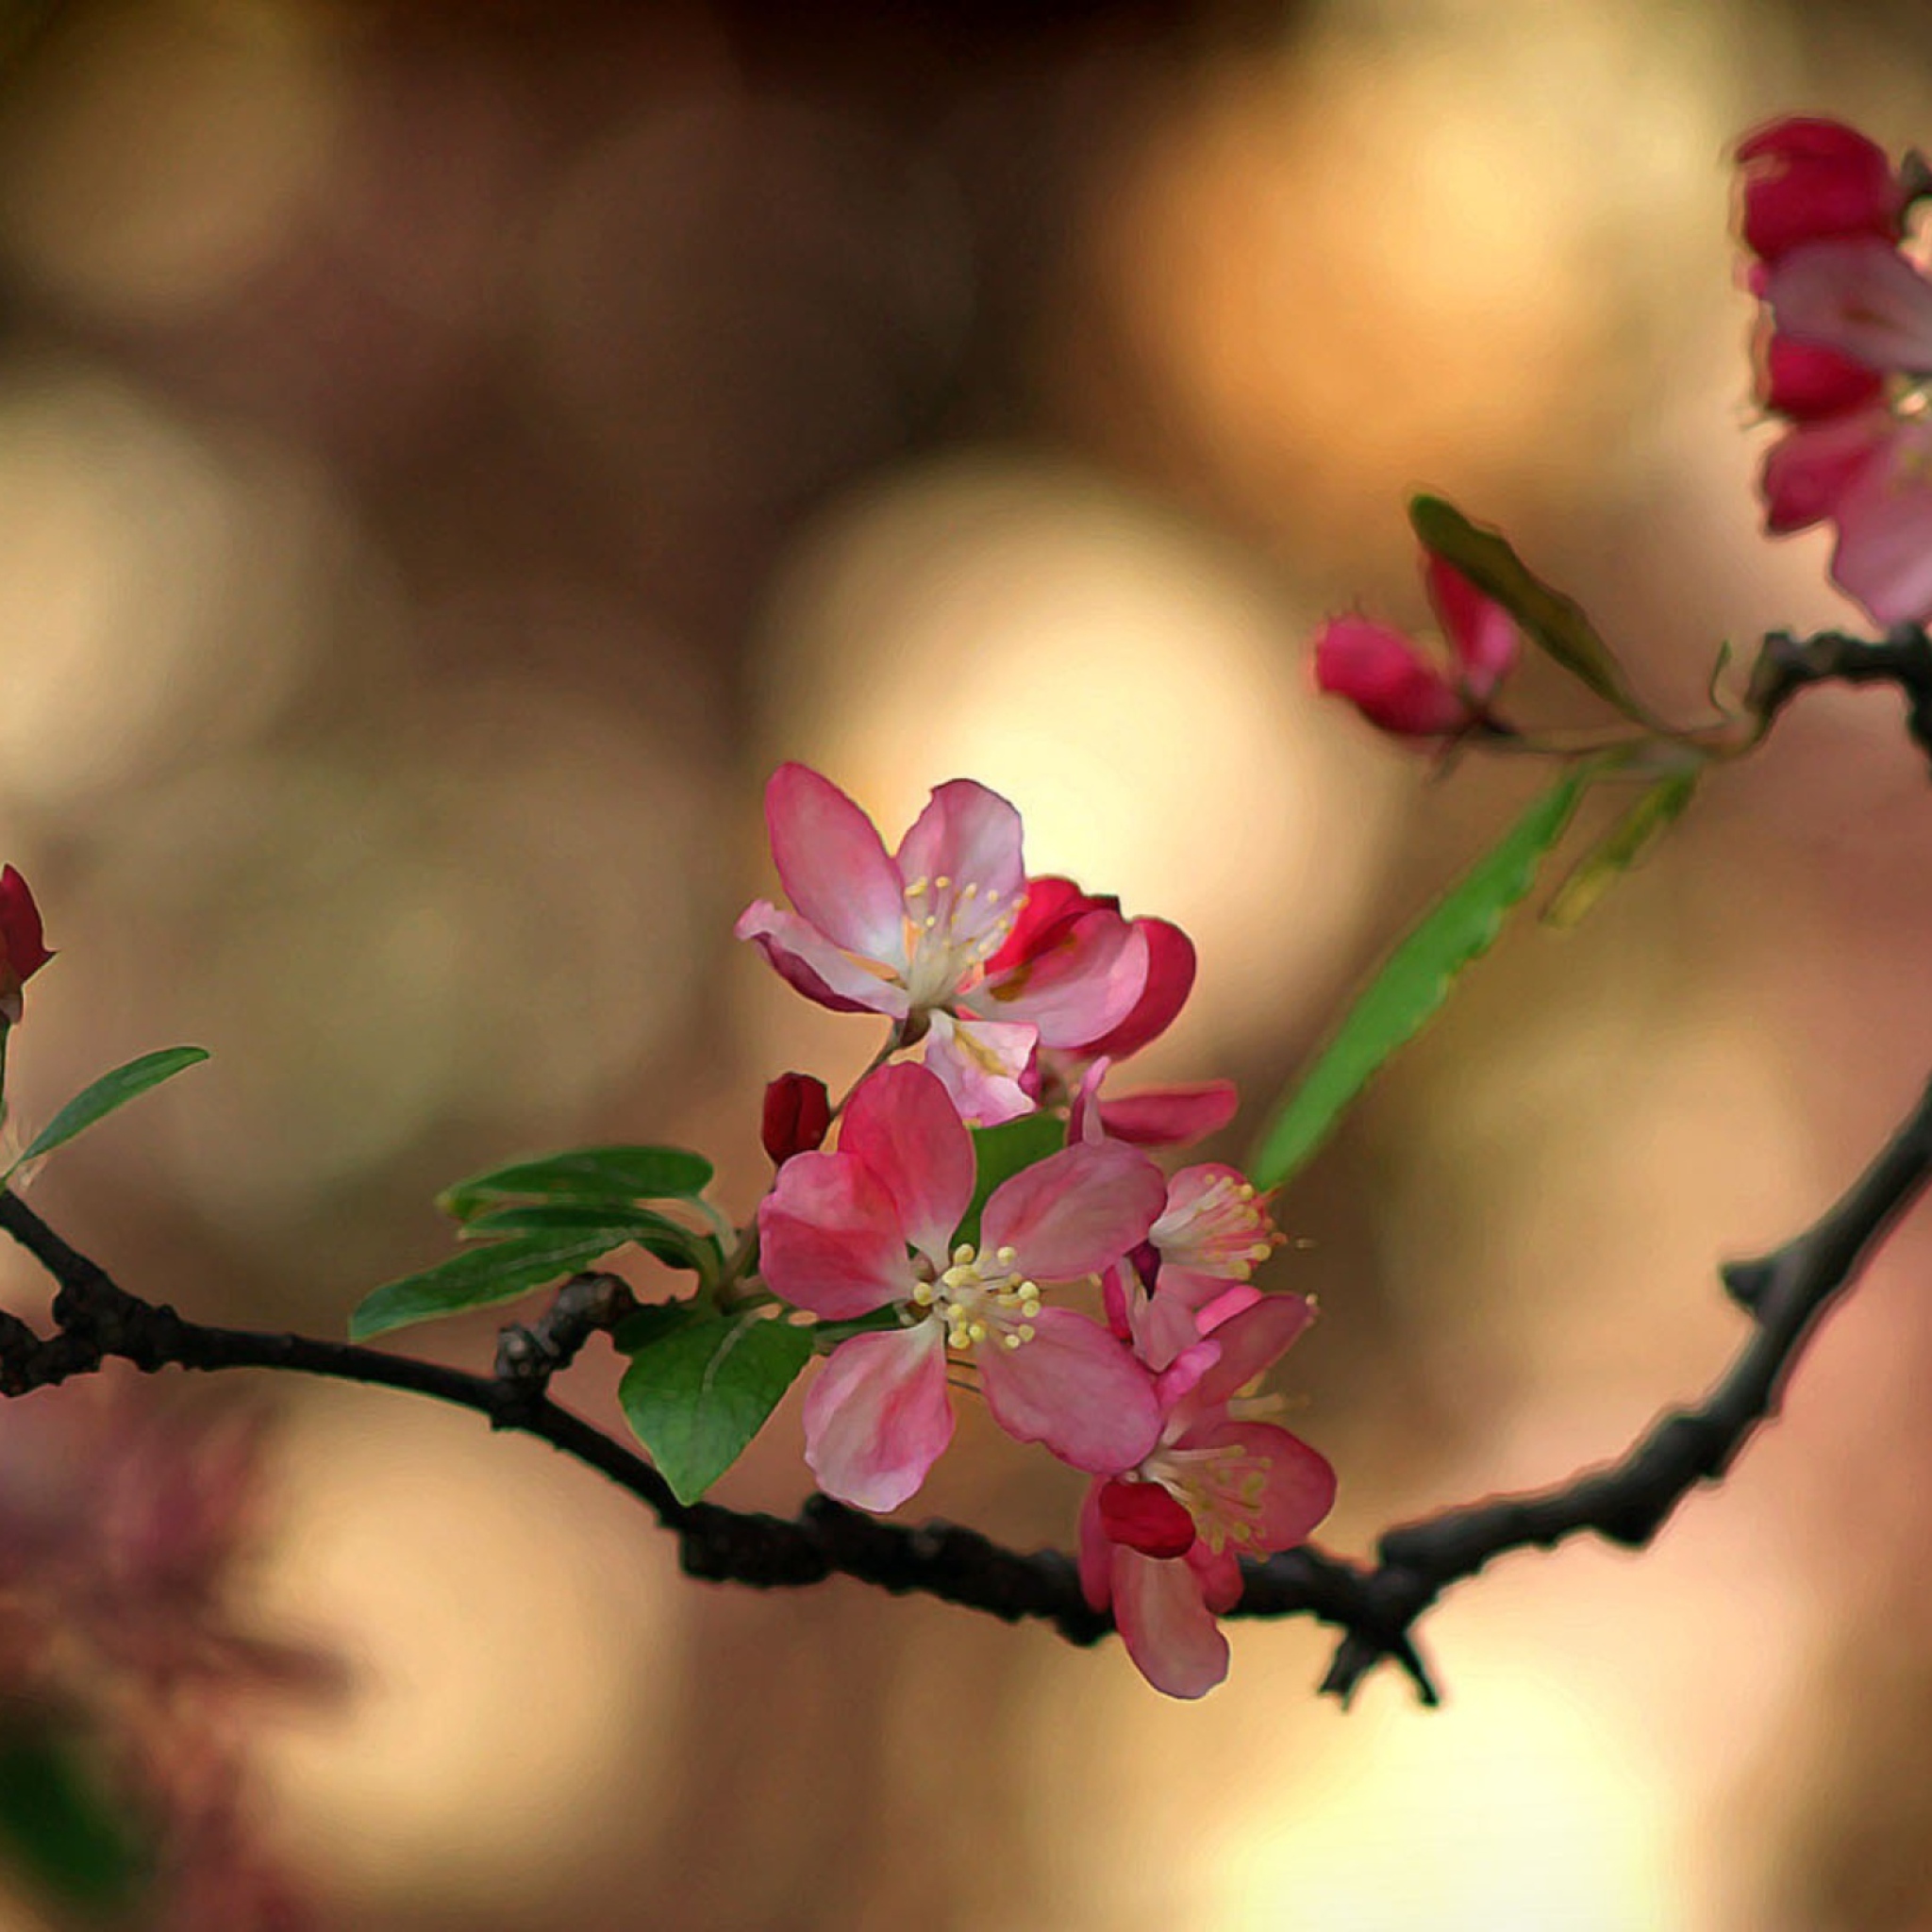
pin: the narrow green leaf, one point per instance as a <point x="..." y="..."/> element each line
<point x="699" y="1395"/>
<point x="109" y="1091"/>
<point x="1551" y="621"/>
<point x="1413" y="982"/>
<point x="1001" y="1152"/>
<point x="670" y="1240"/>
<point x="478" y="1277"/>
<point x="585" y="1174"/>
<point x="1628" y="843"/>
<point x="59" y="1824"/>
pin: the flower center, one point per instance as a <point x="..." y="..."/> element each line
<point x="1222" y="1489"/>
<point x="1223" y="1232"/>
<point x="952" y="929"/>
<point x="982" y="1298"/>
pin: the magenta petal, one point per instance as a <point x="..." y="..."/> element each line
<point x="1809" y="470"/>
<point x="821" y="971"/>
<point x="1810" y="384"/>
<point x="1076" y="1212"/>
<point x="904" y="1127"/>
<point x="1171" y="1116"/>
<point x="1388" y="680"/>
<point x="1073" y="1388"/>
<point x="1170" y="979"/>
<point x="829" y="1239"/>
<point x="967" y="836"/>
<point x="1167" y="1629"/>
<point x="878" y="1417"/>
<point x="1480" y="632"/>
<point x="834" y="864"/>
<point x="1052" y="905"/>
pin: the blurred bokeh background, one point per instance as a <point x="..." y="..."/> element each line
<point x="448" y="453"/>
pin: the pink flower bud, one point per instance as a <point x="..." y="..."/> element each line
<point x="798" y="1115"/>
<point x="1814" y="180"/>
<point x="1388" y="680"/>
<point x="23" y="951"/>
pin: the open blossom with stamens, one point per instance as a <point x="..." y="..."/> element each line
<point x="1397" y="687"/>
<point x="1161" y="1543"/>
<point x="1197" y="1261"/>
<point x="911" y="935"/>
<point x="872" y="1227"/>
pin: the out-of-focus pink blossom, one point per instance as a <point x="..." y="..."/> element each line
<point x="869" y="1226"/>
<point x="1396" y="685"/>
<point x="1845" y="355"/>
<point x="910" y="935"/>
<point x="1161" y="1543"/>
<point x="22" y="949"/>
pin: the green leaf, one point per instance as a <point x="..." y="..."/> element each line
<point x="1001" y="1152"/>
<point x="1551" y="621"/>
<point x="648" y="1325"/>
<point x="478" y="1277"/>
<point x="699" y="1395"/>
<point x="1413" y="982"/>
<point x="585" y="1174"/>
<point x="1628" y="843"/>
<point x="670" y="1240"/>
<point x="59" y="1824"/>
<point x="109" y="1091"/>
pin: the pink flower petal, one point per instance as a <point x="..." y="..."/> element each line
<point x="1145" y="1517"/>
<point x="878" y="1418"/>
<point x="1388" y="680"/>
<point x="1481" y="633"/>
<point x="1170" y="979"/>
<point x="829" y="1238"/>
<point x="904" y="1127"/>
<point x="967" y="836"/>
<point x="1217" y="1576"/>
<point x="834" y="865"/>
<point x="1096" y="1553"/>
<point x="1168" y="1631"/>
<point x="1073" y="1388"/>
<point x="1858" y="297"/>
<point x="1806" y="178"/>
<point x="1051" y="907"/>
<point x="821" y="971"/>
<point x="1171" y="1116"/>
<point x="983" y="1065"/>
<point x="1088" y="981"/>
<point x="1297" y="1490"/>
<point x="1075" y="1211"/>
<point x="1809" y="470"/>
<point x="1806" y="382"/>
<point x="1884" y="554"/>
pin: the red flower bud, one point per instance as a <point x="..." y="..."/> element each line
<point x="798" y="1114"/>
<point x="1807" y="179"/>
<point x="23" y="951"/>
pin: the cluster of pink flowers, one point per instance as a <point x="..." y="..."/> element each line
<point x="1844" y="356"/>
<point x="1019" y="994"/>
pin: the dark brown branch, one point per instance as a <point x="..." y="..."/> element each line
<point x="1376" y="1609"/>
<point x="1788" y="664"/>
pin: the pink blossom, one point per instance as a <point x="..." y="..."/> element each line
<point x="910" y="936"/>
<point x="1161" y="1543"/>
<point x="870" y="1227"/>
<point x="1200" y="1255"/>
<point x="1394" y="685"/>
<point x="23" y="950"/>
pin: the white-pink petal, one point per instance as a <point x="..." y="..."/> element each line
<point x="903" y="1125"/>
<point x="1075" y="1212"/>
<point x="878" y="1418"/>
<point x="969" y="837"/>
<point x="816" y="968"/>
<point x="834" y="864"/>
<point x="1074" y="1388"/>
<point x="982" y="1064"/>
<point x="1883" y="553"/>
<point x="829" y="1239"/>
<point x="1858" y="295"/>
<point x="1074" y="991"/>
